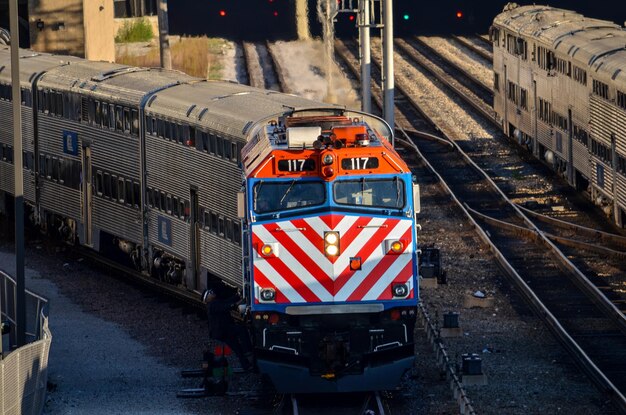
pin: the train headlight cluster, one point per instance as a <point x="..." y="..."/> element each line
<point x="331" y="243"/>
<point x="400" y="290"/>
<point x="267" y="295"/>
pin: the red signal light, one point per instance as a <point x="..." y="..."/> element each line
<point x="351" y="17"/>
<point x="222" y="13"/>
<point x="275" y="14"/>
<point x="459" y="14"/>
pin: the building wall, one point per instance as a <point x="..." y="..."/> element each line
<point x="81" y="28"/>
<point x="99" y="30"/>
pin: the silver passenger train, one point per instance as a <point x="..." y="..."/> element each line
<point x="145" y="160"/>
<point x="560" y="89"/>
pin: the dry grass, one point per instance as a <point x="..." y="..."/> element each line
<point x="196" y="56"/>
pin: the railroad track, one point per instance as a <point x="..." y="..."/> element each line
<point x="590" y="327"/>
<point x="374" y="403"/>
<point x="476" y="44"/>
<point x="261" y="64"/>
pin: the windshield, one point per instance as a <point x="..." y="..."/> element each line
<point x="274" y="196"/>
<point x="383" y="193"/>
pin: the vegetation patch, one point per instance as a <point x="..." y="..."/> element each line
<point x="197" y="56"/>
<point x="137" y="30"/>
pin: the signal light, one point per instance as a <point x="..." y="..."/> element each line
<point x="275" y="14"/>
<point x="351" y="18"/>
<point x="459" y="14"/>
<point x="406" y="17"/>
<point x="222" y="13"/>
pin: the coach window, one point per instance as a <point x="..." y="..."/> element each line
<point x="134" y="122"/>
<point x="55" y="169"/>
<point x="239" y="148"/>
<point x="48" y="167"/>
<point x="220" y="146"/>
<point x="106" y="179"/>
<point x="63" y="168"/>
<point x="27" y="98"/>
<point x="59" y="99"/>
<point x="126" y="120"/>
<point x="220" y="226"/>
<point x="162" y="204"/>
<point x="227" y="149"/>
<point x="119" y="118"/>
<point x="186" y="211"/>
<point x="207" y="220"/>
<point x="136" y="194"/>
<point x="129" y="192"/>
<point x="114" y="187"/>
<point x="229" y="230"/>
<point x="621" y="165"/>
<point x="237" y="232"/>
<point x="120" y="190"/>
<point x="203" y="142"/>
<point x="621" y="100"/>
<point x="98" y="113"/>
<point x="104" y="116"/>
<point x="214" y="222"/>
<point x="111" y="117"/>
<point x="175" y="206"/>
<point x="212" y="144"/>
<point x="154" y="126"/>
<point x="99" y="187"/>
<point x="160" y="127"/>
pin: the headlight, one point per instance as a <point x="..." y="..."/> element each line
<point x="400" y="290"/>
<point x="267" y="295"/>
<point x="327" y="159"/>
<point x="331" y="243"/>
<point x="267" y="250"/>
<point x="394" y="246"/>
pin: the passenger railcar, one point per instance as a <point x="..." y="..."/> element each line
<point x="302" y="205"/>
<point x="560" y="89"/>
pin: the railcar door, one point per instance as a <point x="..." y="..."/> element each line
<point x="87" y="194"/>
<point x="194" y="242"/>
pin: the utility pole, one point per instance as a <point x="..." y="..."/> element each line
<point x="20" y="300"/>
<point x="388" y="81"/>
<point x="164" y="33"/>
<point x="366" y="57"/>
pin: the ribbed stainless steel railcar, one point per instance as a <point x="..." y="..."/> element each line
<point x="560" y="89"/>
<point x="144" y="160"/>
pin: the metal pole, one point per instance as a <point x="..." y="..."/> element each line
<point x="388" y="80"/>
<point x="20" y="300"/>
<point x="164" y="40"/>
<point x="366" y="59"/>
<point x="302" y="20"/>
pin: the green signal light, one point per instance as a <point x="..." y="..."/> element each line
<point x="406" y="17"/>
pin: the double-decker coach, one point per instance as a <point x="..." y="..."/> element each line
<point x="560" y="89"/>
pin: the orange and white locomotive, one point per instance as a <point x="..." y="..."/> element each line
<point x="330" y="251"/>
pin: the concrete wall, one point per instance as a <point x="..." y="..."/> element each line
<point x="75" y="27"/>
<point x="99" y="30"/>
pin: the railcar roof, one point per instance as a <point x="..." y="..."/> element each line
<point x="31" y="64"/>
<point x="597" y="45"/>
<point x="108" y="80"/>
<point x="225" y="106"/>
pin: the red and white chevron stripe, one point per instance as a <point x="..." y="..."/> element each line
<point x="300" y="272"/>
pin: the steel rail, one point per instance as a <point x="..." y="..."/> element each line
<point x="579" y="229"/>
<point x="476" y="49"/>
<point x="541" y="309"/>
<point x="278" y="70"/>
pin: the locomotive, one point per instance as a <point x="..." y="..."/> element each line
<point x="560" y="90"/>
<point x="303" y="206"/>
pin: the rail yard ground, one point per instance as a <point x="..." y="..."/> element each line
<point x="118" y="348"/>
